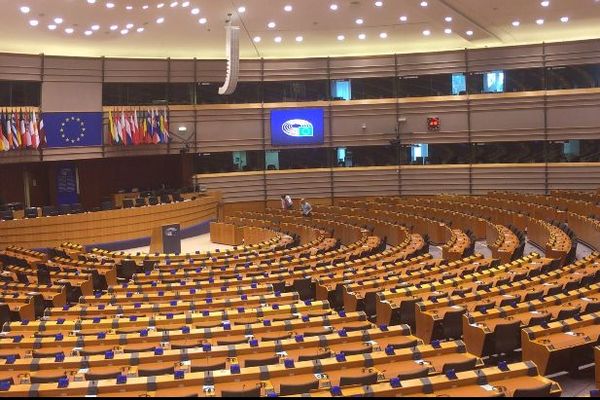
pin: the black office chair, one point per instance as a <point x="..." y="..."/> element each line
<point x="177" y="197"/>
<point x="460" y="366"/>
<point x="541" y="391"/>
<point x="64" y="209"/>
<point x="367" y="379"/>
<point x="140" y="202"/>
<point x="165" y="198"/>
<point x="49" y="211"/>
<point x="259" y="362"/>
<point x="253" y="392"/>
<point x="7" y="215"/>
<point x="31" y="212"/>
<point x="127" y="203"/>
<point x="152" y="201"/>
<point x="106" y="205"/>
<point x="295" y="389"/>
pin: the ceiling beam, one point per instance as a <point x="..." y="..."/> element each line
<point x="470" y="19"/>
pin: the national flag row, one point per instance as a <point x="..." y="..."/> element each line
<point x="138" y="127"/>
<point x="21" y="130"/>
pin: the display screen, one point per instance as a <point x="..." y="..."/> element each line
<point x="459" y="84"/>
<point x="297" y="126"/>
<point x="493" y="82"/>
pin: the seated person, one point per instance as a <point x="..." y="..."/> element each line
<point x="306" y="208"/>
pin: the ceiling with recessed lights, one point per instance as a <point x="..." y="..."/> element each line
<point x="287" y="28"/>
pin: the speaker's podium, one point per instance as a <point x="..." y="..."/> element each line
<point x="228" y="234"/>
<point x="166" y="239"/>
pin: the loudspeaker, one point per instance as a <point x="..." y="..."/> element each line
<point x="232" y="47"/>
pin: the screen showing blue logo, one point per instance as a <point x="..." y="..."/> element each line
<point x="297" y="126"/>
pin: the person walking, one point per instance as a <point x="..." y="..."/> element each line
<point x="286" y="202"/>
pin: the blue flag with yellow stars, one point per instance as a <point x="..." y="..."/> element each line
<point x="73" y="129"/>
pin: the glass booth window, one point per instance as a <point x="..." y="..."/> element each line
<point x="275" y="92"/>
<point x="509" y="152"/>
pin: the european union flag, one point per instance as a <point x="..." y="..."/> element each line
<point x="73" y="129"/>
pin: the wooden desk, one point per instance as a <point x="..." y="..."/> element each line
<point x="105" y="226"/>
<point x="228" y="234"/>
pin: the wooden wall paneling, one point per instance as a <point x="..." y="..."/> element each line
<point x="452" y="111"/>
<point x="235" y="187"/>
<point x="20" y="67"/>
<point x="508" y="177"/>
<point x="370" y="181"/>
<point x="347" y="123"/>
<point x="313" y="183"/>
<point x="574" y="176"/>
<point x="573" y="115"/>
<point x="431" y="63"/>
<point x="135" y="70"/>
<point x="226" y="129"/>
<point x="295" y="69"/>
<point x="434" y="179"/>
<point x="513" y="57"/>
<point x="499" y="119"/>
<point x="361" y="67"/>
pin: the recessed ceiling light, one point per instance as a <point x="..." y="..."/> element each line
<point x="145" y="7"/>
<point x="91" y="1"/>
<point x="403" y="18"/>
<point x="110" y="5"/>
<point x="160" y="5"/>
<point x="58" y="20"/>
<point x="333" y="7"/>
<point x="257" y="39"/>
<point x="69" y="30"/>
<point x="426" y="32"/>
<point x="447" y="31"/>
<point x="195" y="11"/>
<point x="129" y="26"/>
<point x="341" y="37"/>
<point x="516" y="23"/>
<point x="202" y="20"/>
<point x="124" y="31"/>
<point x="545" y="3"/>
<point x="383" y="35"/>
<point x="424" y="4"/>
<point x="129" y="8"/>
<point x="185" y="4"/>
<point x="95" y="27"/>
<point x="160" y="20"/>
<point x="25" y="10"/>
<point x="564" y="19"/>
<point x="539" y="21"/>
<point x="278" y="39"/>
<point x="299" y="38"/>
<point x="114" y="27"/>
<point x="140" y="30"/>
<point x="241" y="9"/>
<point x="469" y="33"/>
<point x="174" y="4"/>
<point x="448" y="19"/>
<point x="359" y="21"/>
<point x="34" y="22"/>
<point x="271" y="24"/>
<point x="362" y="36"/>
<point x="52" y="27"/>
<point x="88" y="33"/>
<point x="379" y="4"/>
<point x="288" y="8"/>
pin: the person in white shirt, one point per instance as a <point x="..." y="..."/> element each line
<point x="306" y="208"/>
<point x="286" y="202"/>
